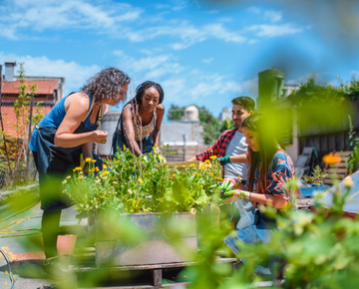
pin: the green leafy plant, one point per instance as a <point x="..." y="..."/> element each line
<point x="353" y="159"/>
<point x="131" y="184"/>
<point x="317" y="176"/>
<point x="16" y="145"/>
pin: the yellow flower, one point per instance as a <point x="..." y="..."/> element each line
<point x="92" y="170"/>
<point x="129" y="178"/>
<point x="183" y="166"/>
<point x="93" y="161"/>
<point x="348" y="182"/>
<point x="173" y="175"/>
<point x="191" y="165"/>
<point x="96" y="177"/>
<point x="211" y="174"/>
<point x="213" y="157"/>
<point x="104" y="166"/>
<point x="87" y="160"/>
<point x="332" y="159"/>
<point x="104" y="173"/>
<point x="219" y="179"/>
<point x="161" y="146"/>
<point x="97" y="169"/>
<point x="194" y="174"/>
<point x="77" y="169"/>
<point x="208" y="162"/>
<point x="140" y="180"/>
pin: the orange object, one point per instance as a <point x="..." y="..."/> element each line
<point x="332" y="159"/>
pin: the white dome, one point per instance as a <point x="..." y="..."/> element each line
<point x="191" y="113"/>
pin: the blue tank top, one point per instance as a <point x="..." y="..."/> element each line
<point x="55" y="117"/>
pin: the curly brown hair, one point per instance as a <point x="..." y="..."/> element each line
<point x="107" y="84"/>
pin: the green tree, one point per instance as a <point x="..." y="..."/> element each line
<point x="175" y="112"/>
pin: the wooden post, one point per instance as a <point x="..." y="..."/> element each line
<point x="30" y="134"/>
<point x="157" y="278"/>
<point x="2" y="127"/>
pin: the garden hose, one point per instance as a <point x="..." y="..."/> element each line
<point x="12" y="280"/>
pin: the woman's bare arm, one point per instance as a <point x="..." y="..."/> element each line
<point x="76" y="108"/>
<point x="156" y="133"/>
<point x="268" y="200"/>
<point x="239" y="159"/>
<point x="130" y="130"/>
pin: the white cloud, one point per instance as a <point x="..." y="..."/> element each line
<point x="275" y="30"/>
<point x="180" y="4"/>
<point x="162" y="6"/>
<point x="75" y="74"/>
<point x="208" y="60"/>
<point x="66" y="14"/>
<point x="186" y="32"/>
<point x="254" y="10"/>
<point x="151" y="67"/>
<point x="183" y="85"/>
<point x="273" y="16"/>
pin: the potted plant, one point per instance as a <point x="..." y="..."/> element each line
<point x="314" y="183"/>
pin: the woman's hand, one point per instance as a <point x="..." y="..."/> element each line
<point x="99" y="136"/>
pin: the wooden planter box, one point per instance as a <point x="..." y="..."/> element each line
<point x="153" y="249"/>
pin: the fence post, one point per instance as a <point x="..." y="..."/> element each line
<point x="2" y="126"/>
<point x="30" y="134"/>
<point x="184" y="146"/>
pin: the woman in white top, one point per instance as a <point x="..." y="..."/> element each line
<point x="139" y="125"/>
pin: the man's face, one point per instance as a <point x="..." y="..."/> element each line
<point x="239" y="114"/>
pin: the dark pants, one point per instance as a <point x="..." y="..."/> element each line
<point x="50" y="227"/>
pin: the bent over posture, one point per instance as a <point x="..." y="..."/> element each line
<point x="68" y="130"/>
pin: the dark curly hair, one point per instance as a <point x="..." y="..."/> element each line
<point x="140" y="90"/>
<point x="107" y="84"/>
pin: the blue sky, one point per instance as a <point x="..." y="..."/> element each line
<point x="201" y="52"/>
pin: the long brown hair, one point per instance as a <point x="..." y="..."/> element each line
<point x="268" y="146"/>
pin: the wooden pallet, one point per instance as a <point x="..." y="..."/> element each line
<point x="339" y="170"/>
<point x="156" y="271"/>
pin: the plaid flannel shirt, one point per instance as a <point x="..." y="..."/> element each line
<point x="219" y="147"/>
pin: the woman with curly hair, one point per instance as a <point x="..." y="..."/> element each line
<point x="57" y="142"/>
<point x="139" y="125"/>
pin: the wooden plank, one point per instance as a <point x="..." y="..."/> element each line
<point x="337" y="170"/>
<point x="146" y="267"/>
<point x="170" y="285"/>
